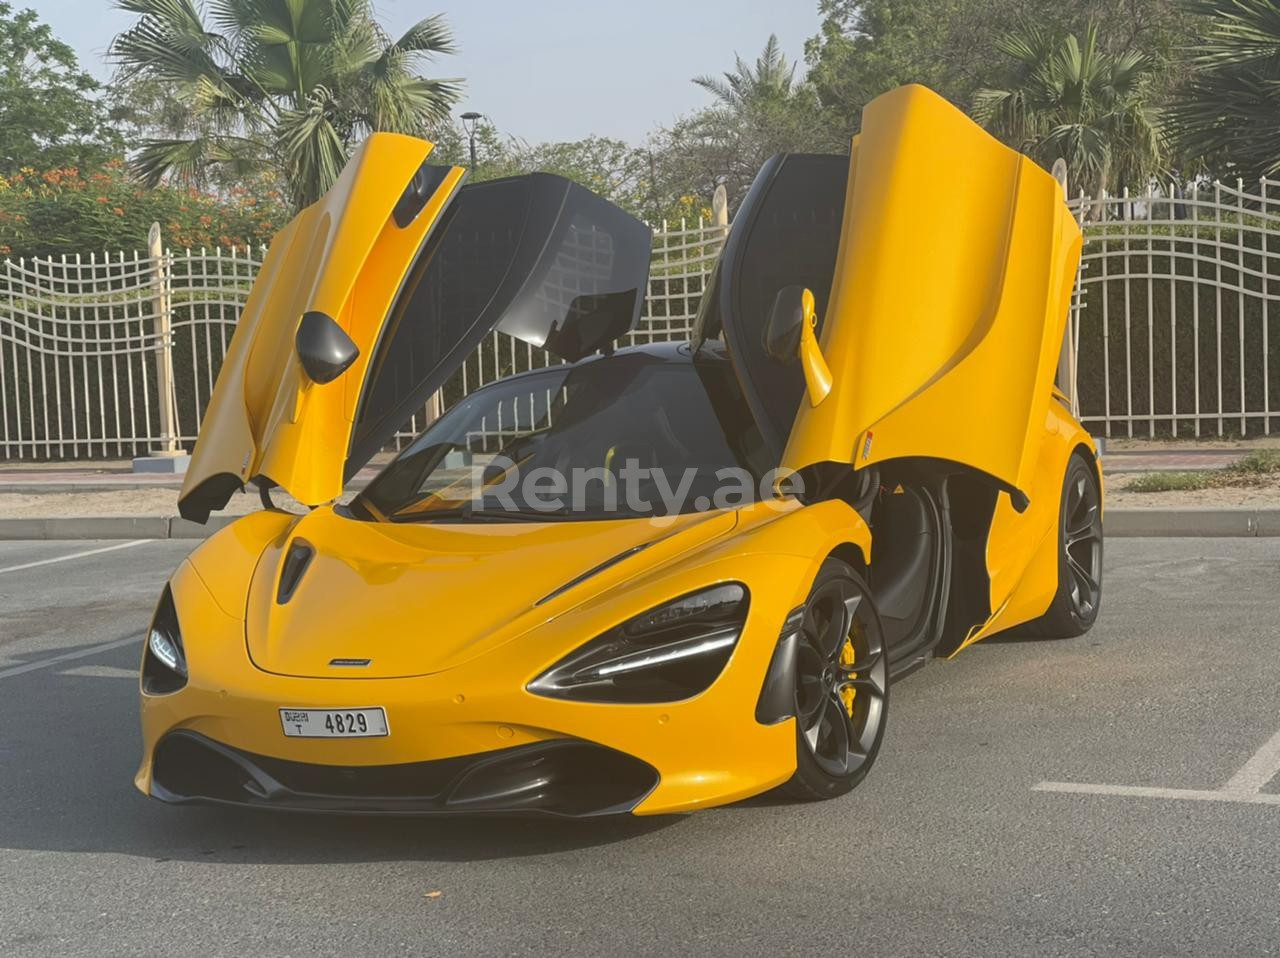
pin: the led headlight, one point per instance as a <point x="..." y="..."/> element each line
<point x="164" y="664"/>
<point x="669" y="653"/>
<point x="166" y="650"/>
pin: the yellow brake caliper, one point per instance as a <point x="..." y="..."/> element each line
<point x="846" y="660"/>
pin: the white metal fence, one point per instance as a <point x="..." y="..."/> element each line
<point x="83" y="338"/>
<point x="1178" y="312"/>
<point x="1174" y="320"/>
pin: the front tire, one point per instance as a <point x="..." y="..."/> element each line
<point x="1075" y="605"/>
<point x="842" y="686"/>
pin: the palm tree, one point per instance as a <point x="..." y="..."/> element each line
<point x="772" y="78"/>
<point x="1064" y="98"/>
<point x="1228" y="112"/>
<point x="289" y="85"/>
<point x="759" y="109"/>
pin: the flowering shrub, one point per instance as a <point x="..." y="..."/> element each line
<point x="50" y="212"/>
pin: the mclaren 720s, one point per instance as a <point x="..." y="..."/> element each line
<point x="860" y="461"/>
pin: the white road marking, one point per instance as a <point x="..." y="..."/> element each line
<point x="101" y="672"/>
<point x="1244" y="787"/>
<point x="73" y="654"/>
<point x="1138" y="791"/>
<point x="1259" y="770"/>
<point x="76" y="555"/>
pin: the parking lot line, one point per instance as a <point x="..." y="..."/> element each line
<point x="68" y="656"/>
<point x="1259" y="770"/>
<point x="1244" y="787"/>
<point x="76" y="555"/>
<point x="1182" y="794"/>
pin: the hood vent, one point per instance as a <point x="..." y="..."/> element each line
<point x="295" y="564"/>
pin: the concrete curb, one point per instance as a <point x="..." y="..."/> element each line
<point x="110" y="527"/>
<point x="77" y="488"/>
<point x="1239" y="521"/>
<point x="1228" y="521"/>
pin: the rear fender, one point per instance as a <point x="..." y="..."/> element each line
<point x="1022" y="549"/>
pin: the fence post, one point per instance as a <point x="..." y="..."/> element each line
<point x="162" y="309"/>
<point x="435" y="406"/>
<point x="720" y="209"/>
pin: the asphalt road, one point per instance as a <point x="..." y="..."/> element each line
<point x="951" y="846"/>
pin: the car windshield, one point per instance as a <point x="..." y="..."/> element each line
<point x="634" y="434"/>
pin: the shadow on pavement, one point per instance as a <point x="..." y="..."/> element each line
<point x="69" y="748"/>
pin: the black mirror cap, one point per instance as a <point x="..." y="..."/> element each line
<point x="324" y="348"/>
<point x="786" y="321"/>
<point x="426" y="180"/>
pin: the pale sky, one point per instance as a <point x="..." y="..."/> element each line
<point x="549" y="69"/>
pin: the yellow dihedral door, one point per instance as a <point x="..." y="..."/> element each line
<point x="952" y="284"/>
<point x="345" y="256"/>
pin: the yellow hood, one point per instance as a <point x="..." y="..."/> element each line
<point x="420" y="598"/>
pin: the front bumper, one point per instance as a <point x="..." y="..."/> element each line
<point x="703" y="751"/>
<point x="563" y="778"/>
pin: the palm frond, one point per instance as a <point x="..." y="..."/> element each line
<point x="290" y="83"/>
<point x="1228" y="113"/>
<point x="721" y="89"/>
<point x="160" y="159"/>
<point x="1069" y="97"/>
<point x="429" y="36"/>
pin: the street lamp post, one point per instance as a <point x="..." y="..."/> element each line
<point x="470" y="121"/>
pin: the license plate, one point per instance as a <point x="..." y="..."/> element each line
<point x="334" y="723"/>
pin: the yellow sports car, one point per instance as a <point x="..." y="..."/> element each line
<point x="647" y="579"/>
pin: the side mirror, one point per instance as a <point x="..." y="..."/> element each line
<point x="324" y="348"/>
<point x="782" y="334"/>
<point x="791" y="332"/>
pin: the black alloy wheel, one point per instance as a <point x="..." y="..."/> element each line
<point x="1075" y="606"/>
<point x="842" y="685"/>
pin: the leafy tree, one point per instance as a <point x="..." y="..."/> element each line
<point x="1228" y="112"/>
<point x="630" y="176"/>
<point x="771" y="78"/>
<point x="1063" y="97"/>
<point x="866" y="47"/>
<point x="759" y="109"/>
<point x="289" y="85"/>
<point x="49" y="115"/>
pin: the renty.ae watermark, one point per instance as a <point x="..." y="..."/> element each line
<point x="631" y="489"/>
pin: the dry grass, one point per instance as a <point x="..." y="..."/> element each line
<point x="1169" y="481"/>
<point x="1256" y="469"/>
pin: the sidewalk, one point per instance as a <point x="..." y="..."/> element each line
<point x="1125" y="456"/>
<point x="106" y="499"/>
<point x="106" y="475"/>
<point x="1121" y="457"/>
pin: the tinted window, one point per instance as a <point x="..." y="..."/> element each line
<point x="534" y="256"/>
<point x="677" y="422"/>
<point x="786" y="233"/>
